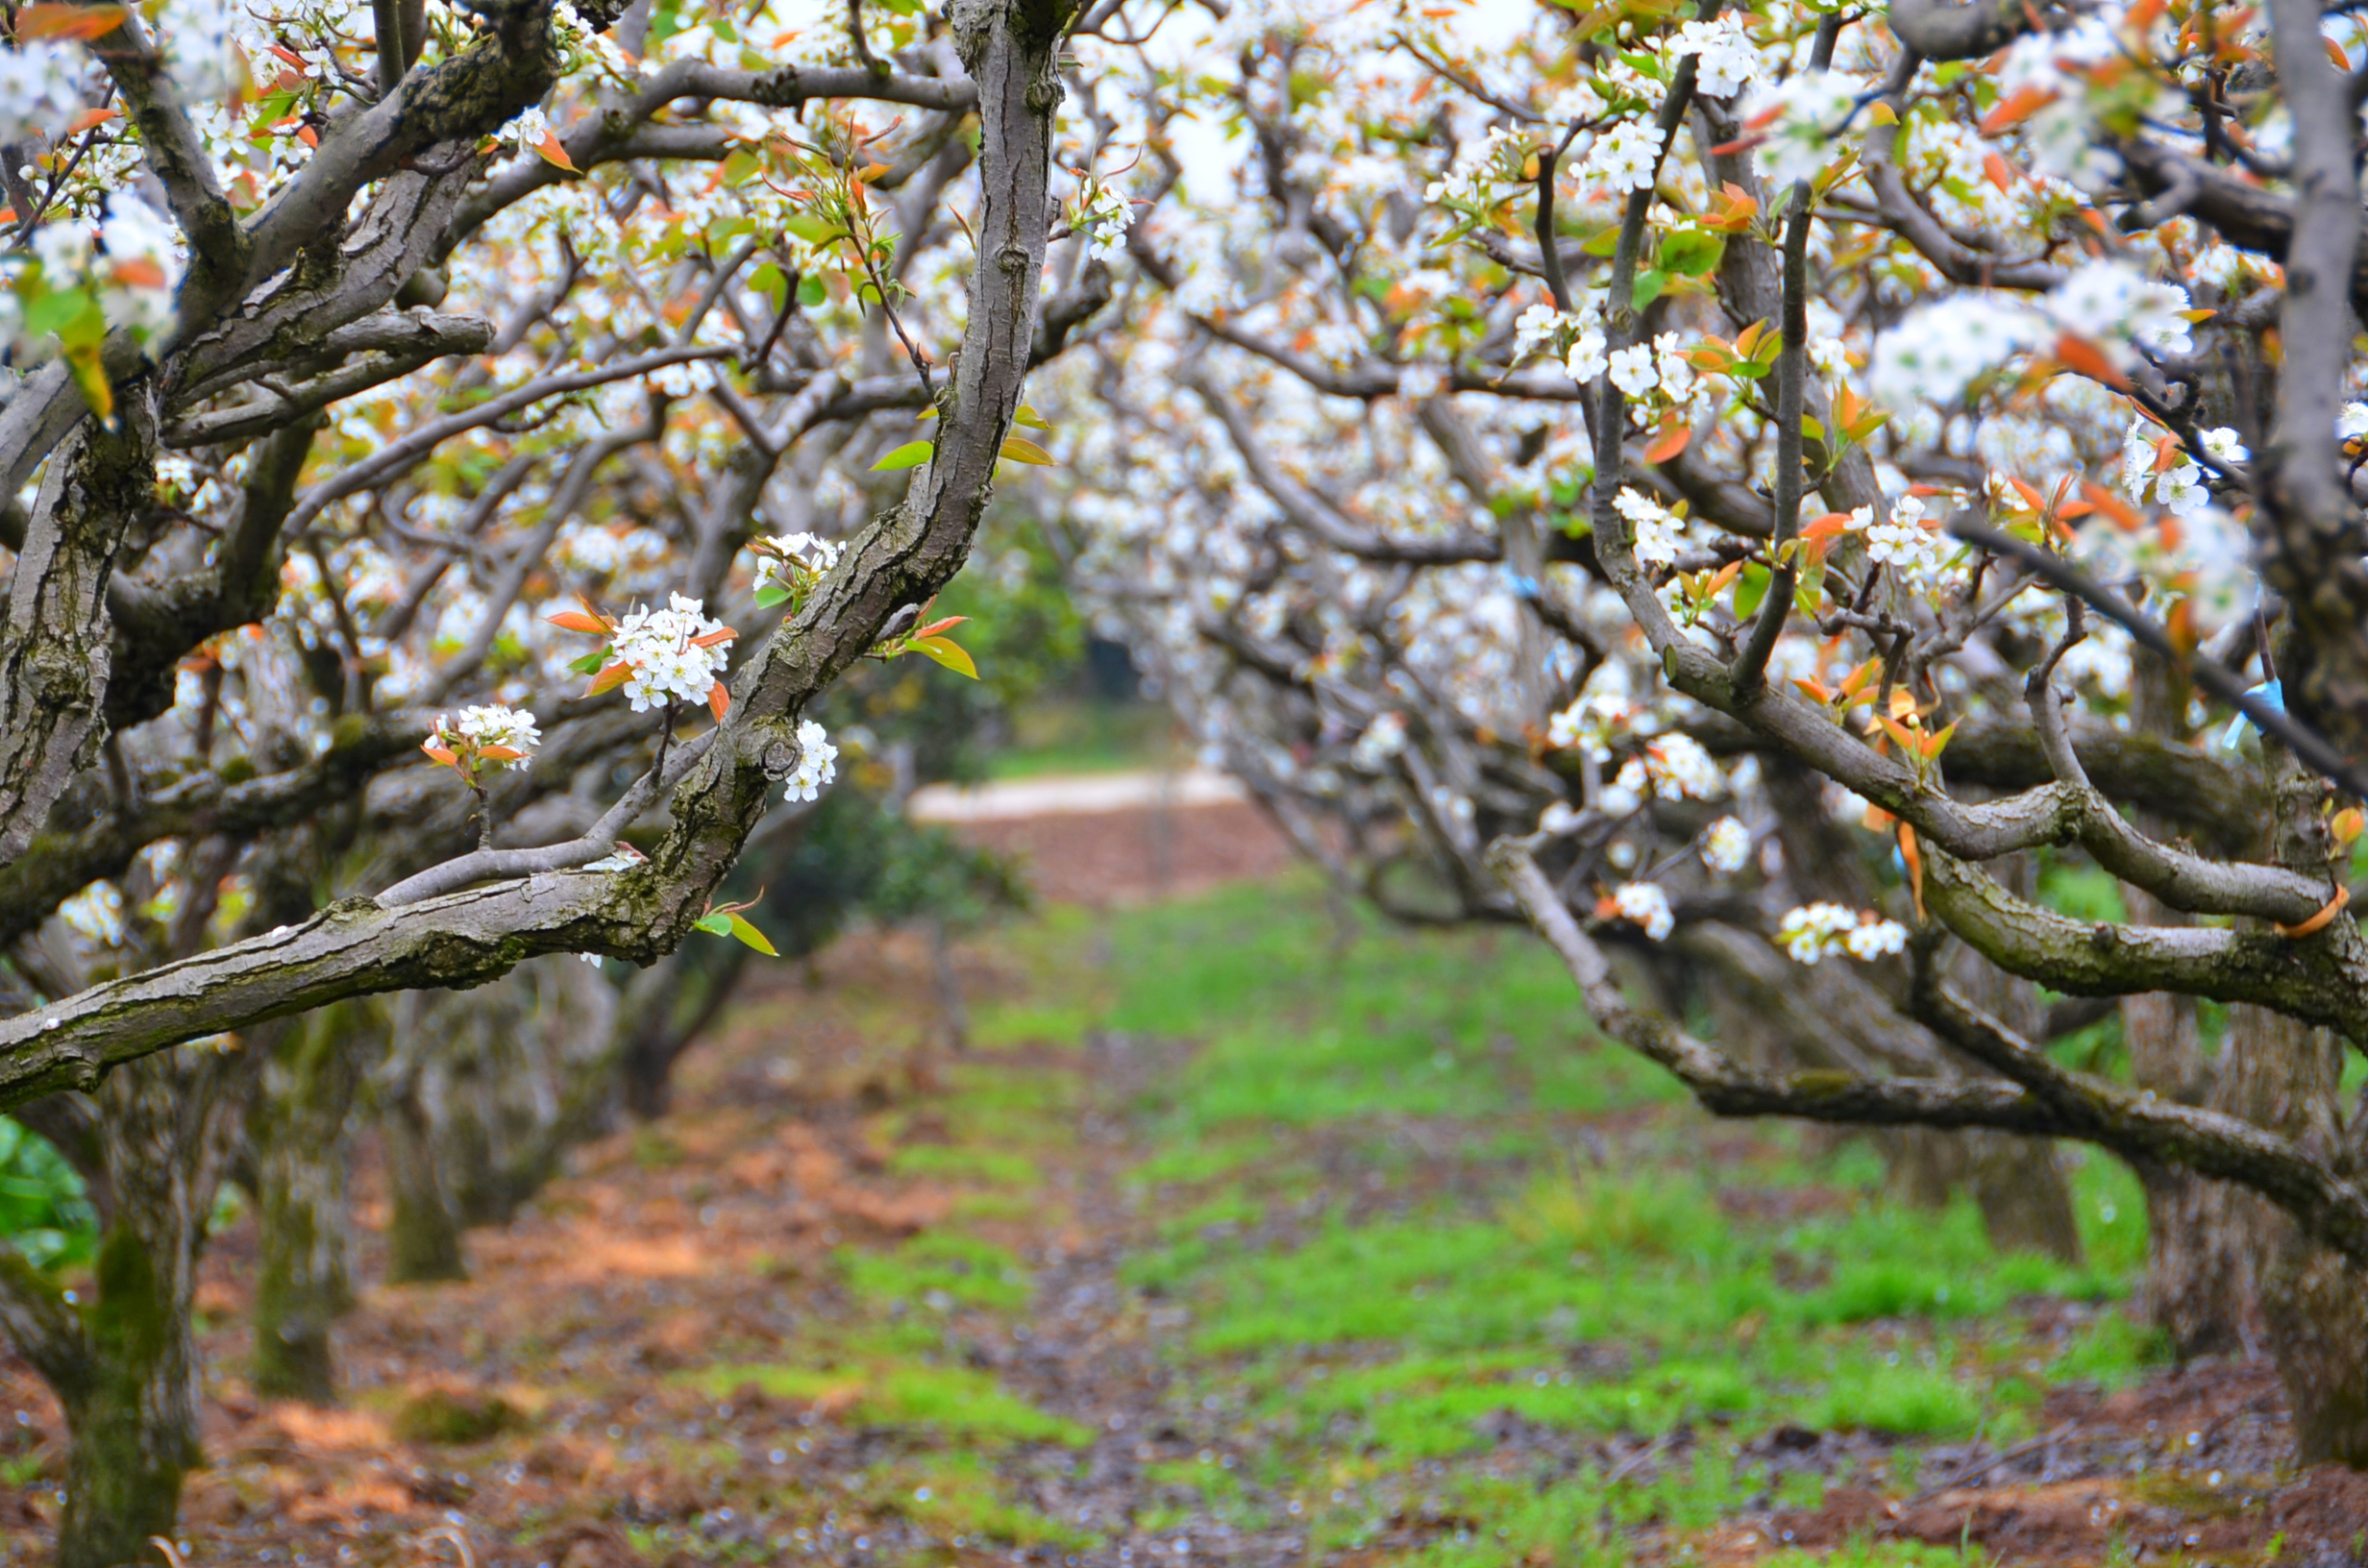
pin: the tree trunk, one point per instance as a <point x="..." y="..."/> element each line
<point x="125" y="1370"/>
<point x="422" y="1239"/>
<point x="299" y="1130"/>
<point x="2284" y="1075"/>
<point x="2204" y="1238"/>
<point x="134" y="1425"/>
<point x="664" y="1011"/>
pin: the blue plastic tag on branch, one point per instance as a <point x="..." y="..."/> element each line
<point x="2270" y="692"/>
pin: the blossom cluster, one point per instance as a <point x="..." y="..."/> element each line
<point x="789" y="563"/>
<point x="1643" y="905"/>
<point x="1725" y="61"/>
<point x="675" y="653"/>
<point x="493" y="734"/>
<point x="1102" y="216"/>
<point x="1588" y="724"/>
<point x="817" y="762"/>
<point x="1816" y="931"/>
<point x="1799" y="122"/>
<point x="1726" y="847"/>
<point x="1672" y="767"/>
<point x="1659" y="534"/>
<point x="1383" y="738"/>
<point x="2154" y="464"/>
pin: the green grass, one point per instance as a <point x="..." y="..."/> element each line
<point x="944" y="1402"/>
<point x="1390" y="1191"/>
<point x="1317" y="1048"/>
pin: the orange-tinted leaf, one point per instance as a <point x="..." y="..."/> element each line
<point x="2017" y="108"/>
<point x="715" y="639"/>
<point x="68" y="21"/>
<point x="1815" y="687"/>
<point x="91" y="119"/>
<point x="500" y="753"/>
<point x="572" y="621"/>
<point x="2029" y="495"/>
<point x="139" y="272"/>
<point x="553" y="152"/>
<point x="2113" y="507"/>
<point x="2078" y="354"/>
<point x="719" y="701"/>
<point x="2001" y="172"/>
<point x="439" y="754"/>
<point x="935" y="627"/>
<point x="308" y="135"/>
<point x="1673" y="442"/>
<point x="2335" y="52"/>
<point x="1828" y="525"/>
<point x="611" y="678"/>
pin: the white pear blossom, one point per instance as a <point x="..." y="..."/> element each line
<point x="1799" y="122"/>
<point x="493" y="725"/>
<point x="1625" y="157"/>
<point x="1633" y="370"/>
<point x="1589" y="724"/>
<point x="1726" y="847"/>
<point x="2113" y="303"/>
<point x="789" y="560"/>
<point x="1659" y="536"/>
<point x="1645" y="905"/>
<point x="1383" y="738"/>
<point x="1937" y="350"/>
<point x="817" y="762"/>
<point x="1725" y="61"/>
<point x="664" y="649"/>
<point x="1816" y="931"/>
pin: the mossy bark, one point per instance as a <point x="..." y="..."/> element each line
<point x="134" y="1425"/>
<point x="299" y="1133"/>
<point x="422" y="1238"/>
<point x="167" y="1126"/>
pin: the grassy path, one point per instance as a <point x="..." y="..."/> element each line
<point x="1237" y="1236"/>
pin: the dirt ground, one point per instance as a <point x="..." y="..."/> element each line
<point x="1109" y="857"/>
<point x="723" y="1231"/>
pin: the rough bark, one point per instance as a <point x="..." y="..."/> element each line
<point x="167" y="1128"/>
<point x="55" y="646"/>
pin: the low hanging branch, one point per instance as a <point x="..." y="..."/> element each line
<point x="2034" y="1095"/>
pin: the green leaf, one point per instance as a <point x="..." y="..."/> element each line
<point x="1751" y="588"/>
<point x="715" y="925"/>
<point x="1603" y="244"/>
<point x="1810" y="429"/>
<point x="948" y="653"/>
<point x="770" y="595"/>
<point x="812" y="230"/>
<point x="911" y="454"/>
<point x="1691" y="251"/>
<point x="812" y="291"/>
<point x="591" y="664"/>
<point x="1649" y="289"/>
<point x="1020" y="449"/>
<point x="772" y="282"/>
<point x="750" y="935"/>
<point x="1030" y="418"/>
<point x="54" y="309"/>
